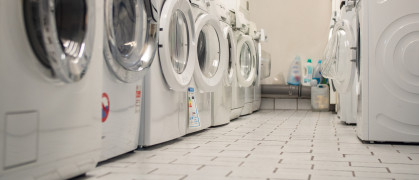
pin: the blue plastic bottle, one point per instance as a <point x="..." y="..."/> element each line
<point x="317" y="74"/>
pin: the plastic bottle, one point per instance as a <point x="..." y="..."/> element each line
<point x="308" y="73"/>
<point x="294" y="73"/>
<point x="317" y="74"/>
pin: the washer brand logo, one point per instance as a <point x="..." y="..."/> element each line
<point x="105" y="107"/>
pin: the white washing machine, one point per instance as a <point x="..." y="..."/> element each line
<point x="164" y="108"/>
<point x="129" y="48"/>
<point x="51" y="76"/>
<point x="211" y="63"/>
<point x="389" y="74"/>
<point x="222" y="97"/>
<point x="344" y="67"/>
<point x="245" y="68"/>
<point x="258" y="38"/>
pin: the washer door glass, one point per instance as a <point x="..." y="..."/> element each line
<point x="245" y="61"/>
<point x="131" y="38"/>
<point x="175" y="43"/>
<point x="61" y="33"/>
<point x="208" y="50"/>
<point x="179" y="41"/>
<point x="211" y="53"/>
<point x="345" y="54"/>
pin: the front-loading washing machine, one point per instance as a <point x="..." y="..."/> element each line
<point x="211" y="55"/>
<point x="222" y="97"/>
<point x="51" y="70"/>
<point x="129" y="48"/>
<point x="164" y="104"/>
<point x="245" y="67"/>
<point x="389" y="75"/>
<point x="258" y="37"/>
<point x="342" y="62"/>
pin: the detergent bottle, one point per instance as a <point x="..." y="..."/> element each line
<point x="308" y="73"/>
<point x="294" y="73"/>
<point x="317" y="74"/>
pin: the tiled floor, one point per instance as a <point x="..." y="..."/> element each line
<point x="268" y="145"/>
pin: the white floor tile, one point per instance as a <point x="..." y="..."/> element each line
<point x="282" y="144"/>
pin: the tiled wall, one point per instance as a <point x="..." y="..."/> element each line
<point x="285" y="104"/>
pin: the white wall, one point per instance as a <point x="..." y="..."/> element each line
<point x="294" y="27"/>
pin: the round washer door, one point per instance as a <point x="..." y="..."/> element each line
<point x="340" y="63"/>
<point x="131" y="38"/>
<point x="61" y="33"/>
<point x="211" y="53"/>
<point x="176" y="44"/>
<point x="246" y="61"/>
<point x="231" y="45"/>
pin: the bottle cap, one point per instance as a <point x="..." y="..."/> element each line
<point x="320" y="61"/>
<point x="309" y="60"/>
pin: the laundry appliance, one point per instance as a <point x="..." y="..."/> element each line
<point x="245" y="68"/>
<point x="51" y="76"/>
<point x="342" y="64"/>
<point x="211" y="56"/>
<point x="130" y="45"/>
<point x="388" y="94"/>
<point x="258" y="37"/>
<point x="222" y="97"/>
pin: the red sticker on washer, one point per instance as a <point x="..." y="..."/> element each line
<point x="105" y="107"/>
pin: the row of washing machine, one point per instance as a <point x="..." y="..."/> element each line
<point x="373" y="60"/>
<point x="157" y="70"/>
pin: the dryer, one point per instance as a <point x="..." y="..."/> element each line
<point x="50" y="97"/>
<point x="164" y="106"/>
<point x="129" y="47"/>
<point x="211" y="55"/>
<point x="388" y="94"/>
<point x="245" y="67"/>
<point x="222" y="97"/>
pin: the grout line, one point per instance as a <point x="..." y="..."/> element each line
<point x="200" y="167"/>
<point x="229" y="173"/>
<point x="184" y="177"/>
<point x="152" y="171"/>
<point x="149" y="157"/>
<point x="103" y="175"/>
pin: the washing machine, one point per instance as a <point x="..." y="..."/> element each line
<point x="222" y="97"/>
<point x="130" y="45"/>
<point x="211" y="56"/>
<point x="164" y="108"/>
<point x="245" y="68"/>
<point x="343" y="66"/>
<point x="258" y="37"/>
<point x="51" y="76"/>
<point x="389" y="76"/>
